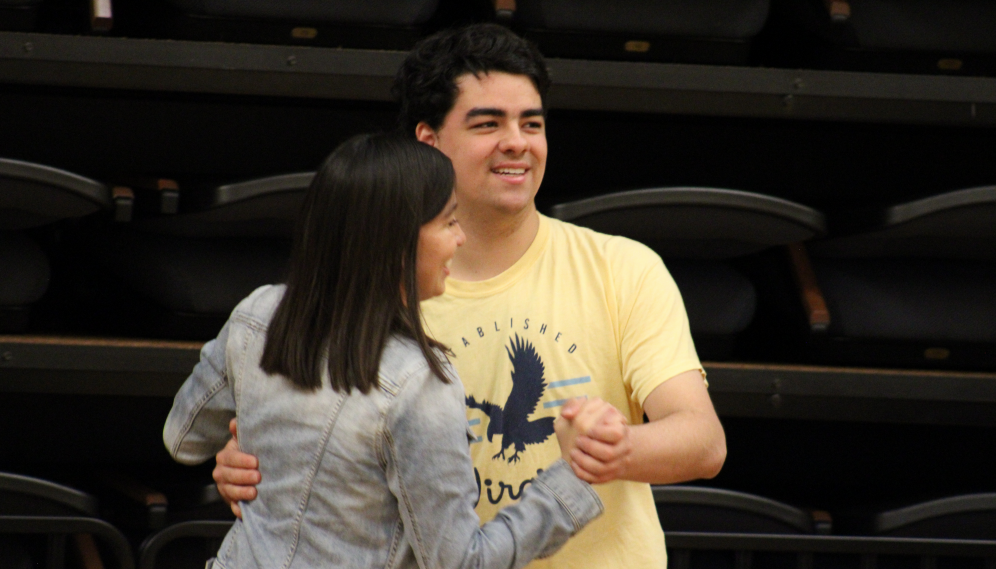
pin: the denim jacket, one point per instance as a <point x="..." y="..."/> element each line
<point x="352" y="480"/>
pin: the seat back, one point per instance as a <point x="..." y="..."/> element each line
<point x="700" y="509"/>
<point x="971" y="516"/>
<point x="697" y="223"/>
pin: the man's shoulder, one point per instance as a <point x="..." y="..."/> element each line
<point x="616" y="251"/>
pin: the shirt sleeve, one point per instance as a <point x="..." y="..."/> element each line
<point x="429" y="470"/>
<point x="655" y="340"/>
<point x="197" y="425"/>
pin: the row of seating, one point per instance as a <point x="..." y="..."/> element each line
<point x="184" y="528"/>
<point x="911" y="284"/>
<point x="920" y="35"/>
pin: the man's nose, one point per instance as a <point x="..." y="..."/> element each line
<point x="514" y="142"/>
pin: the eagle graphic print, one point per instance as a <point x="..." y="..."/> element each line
<point x="511" y="420"/>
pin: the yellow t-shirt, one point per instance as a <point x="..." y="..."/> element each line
<point x="580" y="314"/>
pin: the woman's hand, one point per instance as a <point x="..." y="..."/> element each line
<point x="236" y="473"/>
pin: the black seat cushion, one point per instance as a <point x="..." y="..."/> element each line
<point x="688" y="18"/>
<point x="910" y="299"/>
<point x="192" y="275"/>
<point x="719" y="300"/>
<point x="24" y="270"/>
<point x="925" y="25"/>
<point x="383" y="12"/>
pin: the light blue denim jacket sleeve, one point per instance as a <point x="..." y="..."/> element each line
<point x="197" y="426"/>
<point x="429" y="470"/>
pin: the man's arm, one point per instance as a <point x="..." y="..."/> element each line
<point x="684" y="439"/>
<point x="236" y="473"/>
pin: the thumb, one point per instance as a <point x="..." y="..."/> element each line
<point x="233" y="428"/>
<point x="571" y="408"/>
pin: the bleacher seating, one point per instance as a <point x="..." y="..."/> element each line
<point x="912" y="285"/>
<point x="379" y="24"/>
<point x="33" y="196"/>
<point x="971" y="516"/>
<point x="908" y="286"/>
<point x="713" y="31"/>
<point x="192" y="268"/>
<point x="697" y="231"/>
<point x="55" y="513"/>
<point x="18" y="15"/>
<point x="702" y="509"/>
<point x="915" y="36"/>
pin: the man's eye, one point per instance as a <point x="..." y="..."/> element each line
<point x="488" y="124"/>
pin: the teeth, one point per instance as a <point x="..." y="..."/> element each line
<point x="511" y="171"/>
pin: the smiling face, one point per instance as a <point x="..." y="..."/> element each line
<point x="495" y="136"/>
<point x="437" y="242"/>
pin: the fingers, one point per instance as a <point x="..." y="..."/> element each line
<point x="233" y="428"/>
<point x="601" y="447"/>
<point x="611" y="427"/>
<point x="232" y="457"/>
<point x="598" y="461"/>
<point x="236" y="474"/>
<point x="586" y="414"/>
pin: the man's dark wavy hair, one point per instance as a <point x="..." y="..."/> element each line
<point x="425" y="85"/>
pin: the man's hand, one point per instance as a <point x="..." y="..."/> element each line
<point x="602" y="446"/>
<point x="236" y="473"/>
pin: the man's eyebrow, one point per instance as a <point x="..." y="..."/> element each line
<point x="484" y="112"/>
<point x="533" y="113"/>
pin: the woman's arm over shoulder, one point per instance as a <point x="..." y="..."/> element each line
<point x="197" y="426"/>
<point x="430" y="472"/>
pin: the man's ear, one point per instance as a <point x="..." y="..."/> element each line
<point x="425" y="133"/>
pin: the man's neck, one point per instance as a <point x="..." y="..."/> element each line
<point x="494" y="242"/>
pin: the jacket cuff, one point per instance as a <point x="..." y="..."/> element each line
<point x="576" y="496"/>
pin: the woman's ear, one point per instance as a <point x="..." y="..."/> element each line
<point x="425" y="133"/>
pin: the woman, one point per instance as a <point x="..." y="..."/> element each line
<point x="356" y="415"/>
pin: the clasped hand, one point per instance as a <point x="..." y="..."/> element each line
<point x="594" y="439"/>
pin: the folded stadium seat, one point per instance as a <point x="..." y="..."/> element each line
<point x="191" y="269"/>
<point x="688" y="31"/>
<point x="34" y="196"/>
<point x="371" y="24"/>
<point x="18" y="15"/>
<point x="914" y="285"/>
<point x="913" y="36"/>
<point x="179" y="518"/>
<point x="698" y="231"/>
<point x="702" y="510"/>
<point x="972" y="516"/>
<point x="38" y="518"/>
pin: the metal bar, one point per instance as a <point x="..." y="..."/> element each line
<point x="870" y="383"/>
<point x="832" y="544"/>
<point x="239" y="69"/>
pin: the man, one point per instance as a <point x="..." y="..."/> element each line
<point x="539" y="312"/>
